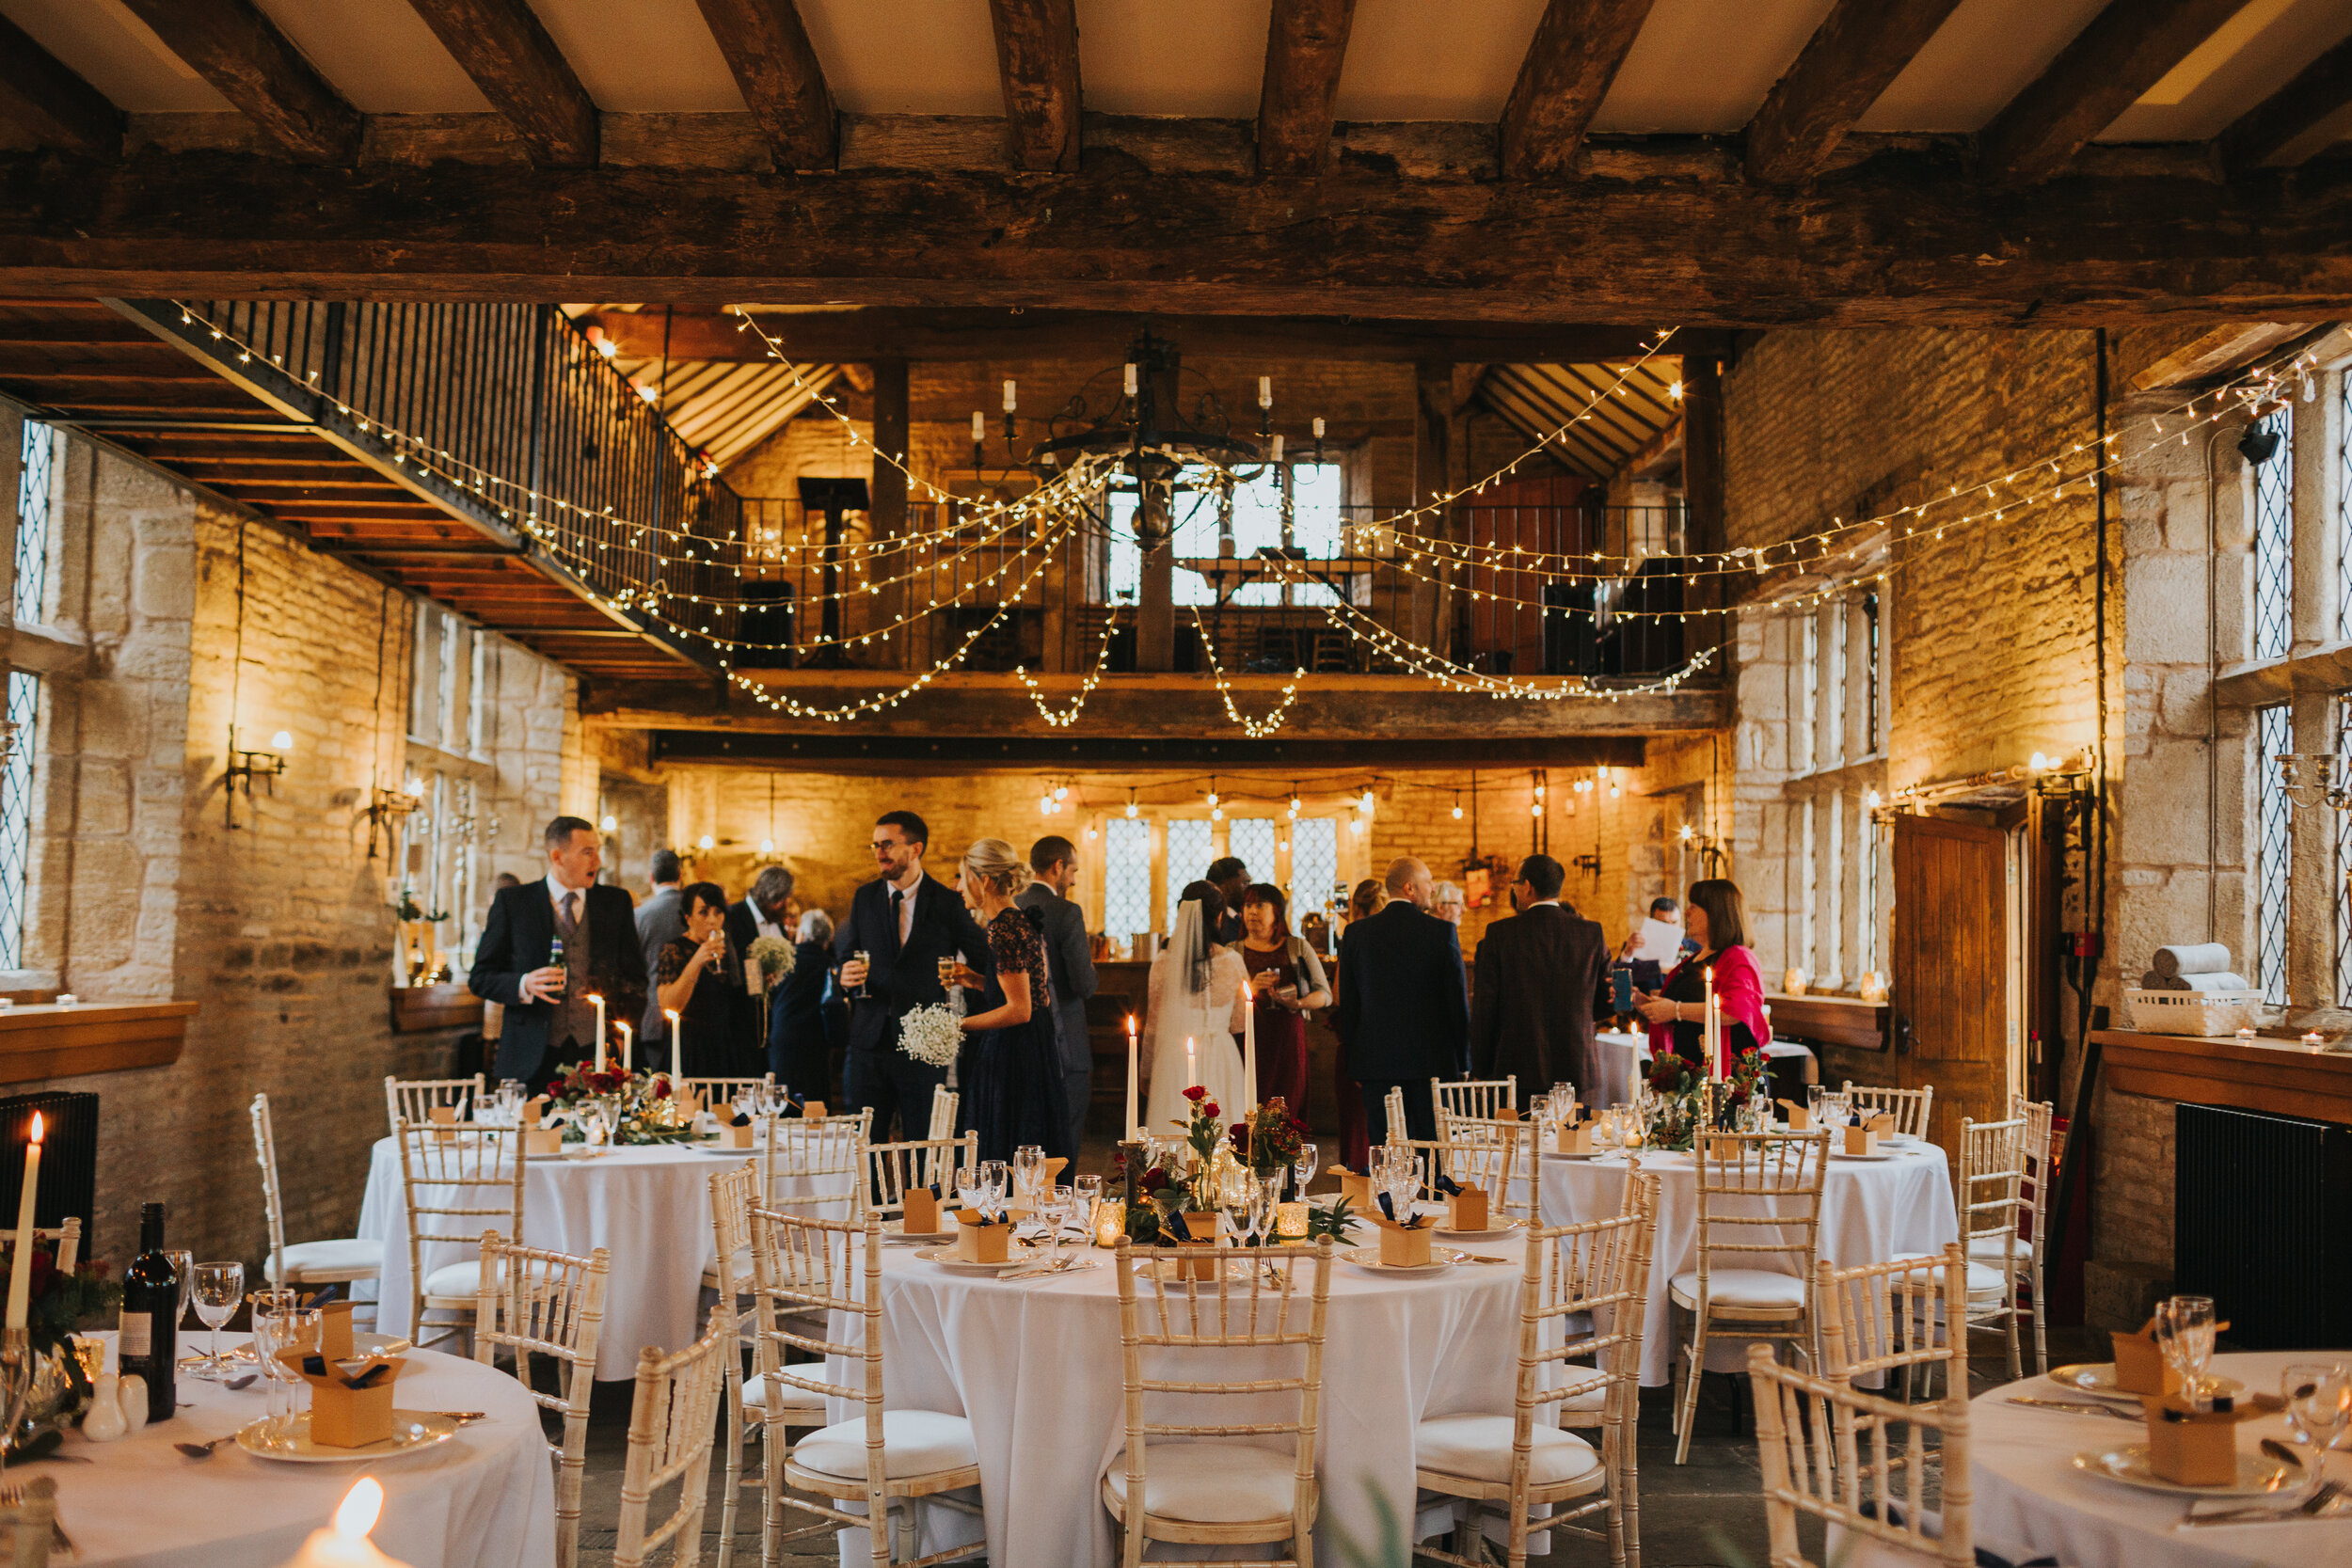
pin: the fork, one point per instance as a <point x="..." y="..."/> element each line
<point x="2309" y="1508"/>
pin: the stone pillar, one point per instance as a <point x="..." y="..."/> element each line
<point x="1429" y="606"/>
<point x="887" y="508"/>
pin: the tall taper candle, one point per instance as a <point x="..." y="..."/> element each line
<point x="677" y="1053"/>
<point x="20" y="1265"/>
<point x="1250" y="1048"/>
<point x="1192" y="1069"/>
<point x="628" y="1036"/>
<point x="1134" y="1124"/>
<point x="599" y="1001"/>
<point x="1713" y="1029"/>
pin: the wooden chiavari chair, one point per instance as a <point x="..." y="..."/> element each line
<point x="892" y="1168"/>
<point x="1991" y="1174"/>
<point x="536" y="1303"/>
<point x="670" y="1423"/>
<point x="1762" y="1184"/>
<point x="454" y="1187"/>
<point x="1909" y="1107"/>
<point x="1577" y="1276"/>
<point x="1188" y="1492"/>
<point x="716" y="1092"/>
<point x="412" y="1099"/>
<point x="813" y="1163"/>
<point x="1893" y="1320"/>
<point x="1827" y="1450"/>
<point x="339" y="1262"/>
<point x="1394" y="1104"/>
<point x="806" y="1272"/>
<point x="2037" y="1196"/>
<point x="1477" y="1098"/>
<point x="1499" y="1156"/>
<point x="944" y="1101"/>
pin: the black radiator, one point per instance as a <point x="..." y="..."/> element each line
<point x="2262" y="1222"/>
<point x="68" y="1157"/>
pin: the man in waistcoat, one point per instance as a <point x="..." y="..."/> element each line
<point x="551" y="1019"/>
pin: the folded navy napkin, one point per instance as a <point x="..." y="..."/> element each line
<point x="1387" y="1206"/>
<point x="1447" y="1185"/>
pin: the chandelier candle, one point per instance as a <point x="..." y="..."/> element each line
<point x="20" y="1262"/>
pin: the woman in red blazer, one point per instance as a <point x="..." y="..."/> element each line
<point x="1676" y="1015"/>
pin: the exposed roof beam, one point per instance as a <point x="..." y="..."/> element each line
<point x="1306" y="44"/>
<point x="1037" y="54"/>
<point x="2279" y="128"/>
<point x="2126" y="49"/>
<point x="506" y="50"/>
<point x="783" y="80"/>
<point x="1846" y="252"/>
<point x="1571" y="60"/>
<point x="1859" y="48"/>
<point x="42" y="97"/>
<point x="243" y="55"/>
<point x="938" y="336"/>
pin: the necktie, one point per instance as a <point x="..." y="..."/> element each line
<point x="898" y="899"/>
<point x="571" y="923"/>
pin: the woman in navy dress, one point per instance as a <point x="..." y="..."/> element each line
<point x="1012" y="1086"/>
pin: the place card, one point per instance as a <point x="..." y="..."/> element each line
<point x="2189" y="1446"/>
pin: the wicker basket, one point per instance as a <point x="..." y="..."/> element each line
<point x="2207" y="1014"/>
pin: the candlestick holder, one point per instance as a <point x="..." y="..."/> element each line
<point x="38" y="1394"/>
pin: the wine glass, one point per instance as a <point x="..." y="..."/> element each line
<point x="1303" y="1166"/>
<point x="218" y="1288"/>
<point x="184" y="1268"/>
<point x="971" y="1190"/>
<point x="2319" y="1401"/>
<point x="279" y="1326"/>
<point x="1028" y="1162"/>
<point x="1258" y="1205"/>
<point x="1056" y="1203"/>
<point x="1087" y="1198"/>
<point x="995" y="1182"/>
<point x="2184" y="1329"/>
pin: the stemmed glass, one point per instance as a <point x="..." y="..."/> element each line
<point x="1399" y="1176"/>
<point x="183" y="1266"/>
<point x="278" y="1326"/>
<point x="1258" y="1205"/>
<point x="1055" y="1204"/>
<point x="218" y="1288"/>
<point x="1028" y="1160"/>
<point x="971" y="1188"/>
<point x="995" y="1180"/>
<point x="2184" y="1329"/>
<point x="2319" y="1401"/>
<point x="1303" y="1166"/>
<point x="1085" y="1194"/>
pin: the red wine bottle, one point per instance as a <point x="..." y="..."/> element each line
<point x="151" y="1317"/>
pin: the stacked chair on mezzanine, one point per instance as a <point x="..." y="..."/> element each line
<point x="1481" y="1099"/>
<point x="807" y="1273"/>
<point x="341" y="1261"/>
<point x="454" y="1187"/>
<point x="1210" y="1490"/>
<point x="673" y="1418"/>
<point x="1909" y="1107"/>
<point x="547" y="1304"/>
<point x="412" y="1100"/>
<point x="1577" y="1277"/>
<point x="1765" y="1185"/>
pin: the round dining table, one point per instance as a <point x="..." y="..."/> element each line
<point x="647" y="1205"/>
<point x="485" y="1496"/>
<point x="2031" y="1499"/>
<point x="1035" y="1366"/>
<point x="1871" y="1210"/>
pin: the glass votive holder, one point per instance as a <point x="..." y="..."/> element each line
<point x="91" y="1351"/>
<point x="1110" y="1221"/>
<point x="1290" y="1221"/>
<point x="67" y="999"/>
<point x="2314" y="1040"/>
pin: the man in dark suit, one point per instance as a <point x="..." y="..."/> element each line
<point x="1069" y="968"/>
<point x="1536" y="975"/>
<point x="759" y="914"/>
<point x="661" y="919"/>
<point x="550" y="1023"/>
<point x="1230" y="877"/>
<point x="904" y="921"/>
<point x="1402" y="1011"/>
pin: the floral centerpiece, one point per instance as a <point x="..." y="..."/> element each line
<point x="774" y="957"/>
<point x="640" y="1105"/>
<point x="58" y="1302"/>
<point x="1675" y="1101"/>
<point x="1267" y="1139"/>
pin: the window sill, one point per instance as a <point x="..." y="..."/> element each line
<point x="2279" y="1077"/>
<point x="416" y="1009"/>
<point x="2261" y="682"/>
<point x="47" y="1042"/>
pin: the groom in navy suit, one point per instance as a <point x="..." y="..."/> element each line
<point x="1403" y="1012"/>
<point x="904" y="921"/>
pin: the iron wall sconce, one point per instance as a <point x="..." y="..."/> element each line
<point x="244" y="767"/>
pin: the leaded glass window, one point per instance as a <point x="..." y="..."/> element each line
<point x="1126" y="876"/>
<point x="16" y="816"/>
<point x="1189" y="851"/>
<point x="32" y="522"/>
<point x="2274" y="542"/>
<point x="2274" y="849"/>
<point x="1314" y="866"/>
<point x="1251" y="840"/>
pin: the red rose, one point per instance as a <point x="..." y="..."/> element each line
<point x="44" y="1265"/>
<point x="1209" y="1109"/>
<point x="1196" y="1094"/>
<point x="1241" y="1136"/>
<point x="1155" y="1179"/>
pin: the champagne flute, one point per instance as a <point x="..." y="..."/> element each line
<point x="946" y="974"/>
<point x="218" y="1289"/>
<point x="865" y="987"/>
<point x="1028" y="1164"/>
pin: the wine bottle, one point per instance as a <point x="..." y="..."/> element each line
<point x="151" y="1316"/>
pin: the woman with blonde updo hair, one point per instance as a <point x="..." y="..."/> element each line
<point x="1014" y="1093"/>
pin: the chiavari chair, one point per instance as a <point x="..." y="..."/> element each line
<point x="716" y="1092"/>
<point x="892" y="1168"/>
<point x="330" y="1263"/>
<point x="1909" y="1107"/>
<point x="1481" y="1099"/>
<point x="944" y="1101"/>
<point x="671" y="1424"/>
<point x="1893" y="1319"/>
<point x="532" y="1303"/>
<point x="1499" y="1156"/>
<point x="454" y="1186"/>
<point x="1992" y="1175"/>
<point x="2036" y="1195"/>
<point x="412" y="1100"/>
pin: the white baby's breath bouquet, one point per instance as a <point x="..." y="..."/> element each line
<point x="775" y="956"/>
<point x="930" y="1035"/>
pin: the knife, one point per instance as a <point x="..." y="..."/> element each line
<point x="2078" y="1407"/>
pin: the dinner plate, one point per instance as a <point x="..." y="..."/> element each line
<point x="2097" y="1379"/>
<point x="945" y="1258"/>
<point x="1492" y="1234"/>
<point x="1841" y="1154"/>
<point x="411" y="1428"/>
<point x="1435" y="1265"/>
<point x="893" y="1234"/>
<point x="701" y="1147"/>
<point x="2258" y="1474"/>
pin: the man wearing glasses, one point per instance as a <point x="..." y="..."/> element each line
<point x="888" y="954"/>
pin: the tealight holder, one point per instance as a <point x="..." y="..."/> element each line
<point x="1290" y="1221"/>
<point x="1110" y="1222"/>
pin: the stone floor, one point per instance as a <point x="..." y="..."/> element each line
<point x="1702" y="1514"/>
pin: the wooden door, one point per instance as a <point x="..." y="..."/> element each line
<point x="1950" y="957"/>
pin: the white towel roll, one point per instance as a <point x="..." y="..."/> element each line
<point x="2203" y="957"/>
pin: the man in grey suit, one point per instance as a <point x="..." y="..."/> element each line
<point x="659" y="920"/>
<point x="1068" y="967"/>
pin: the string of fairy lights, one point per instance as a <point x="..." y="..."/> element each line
<point x="1065" y="506"/>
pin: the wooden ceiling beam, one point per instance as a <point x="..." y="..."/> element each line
<point x="1858" y="51"/>
<point x="43" y="97"/>
<point x="1578" y="46"/>
<point x="2279" y="130"/>
<point x="236" y="48"/>
<point x="2125" y="49"/>
<point x="1901" y="240"/>
<point x="1306" y="46"/>
<point x="506" y="48"/>
<point x="782" y="82"/>
<point x="1037" y="56"/>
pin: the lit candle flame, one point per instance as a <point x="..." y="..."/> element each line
<point x="357" y="1513"/>
<point x="37" y="1126"/>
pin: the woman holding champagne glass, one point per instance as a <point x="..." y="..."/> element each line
<point x="1014" y="1093"/>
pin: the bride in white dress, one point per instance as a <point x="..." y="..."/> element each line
<point x="1198" y="991"/>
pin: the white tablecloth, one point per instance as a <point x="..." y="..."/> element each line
<point x="1871" y="1209"/>
<point x="2030" y="1497"/>
<point x="486" y="1497"/>
<point x="649" y="1206"/>
<point x="1036" y="1367"/>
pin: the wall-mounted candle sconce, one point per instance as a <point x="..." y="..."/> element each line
<point x="244" y="767"/>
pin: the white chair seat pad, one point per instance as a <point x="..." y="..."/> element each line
<point x="327" y="1261"/>
<point x="1984" y="1280"/>
<point x="797" y="1402"/>
<point x="1741" y="1290"/>
<point x="461" y="1280"/>
<point x="1989" y="1247"/>
<point x="915" y="1442"/>
<point x="1211" y="1483"/>
<point x="739" y="1270"/>
<point x="1478" y="1447"/>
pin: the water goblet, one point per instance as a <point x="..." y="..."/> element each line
<point x="1086" y="1196"/>
<point x="1303" y="1166"/>
<point x="995" y="1182"/>
<point x="1056" y="1204"/>
<point x="277" y="1328"/>
<point x="970" y="1189"/>
<point x="1028" y="1162"/>
<point x="2184" y="1330"/>
<point x="218" y="1289"/>
<point x="1263" y="1195"/>
<point x="2319" y="1401"/>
